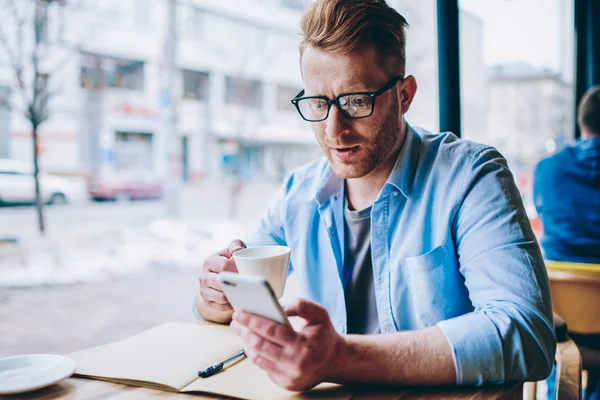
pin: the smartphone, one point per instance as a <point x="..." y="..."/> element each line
<point x="252" y="294"/>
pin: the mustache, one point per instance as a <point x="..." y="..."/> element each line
<point x="343" y="144"/>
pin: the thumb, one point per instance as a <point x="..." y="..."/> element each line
<point x="234" y="246"/>
<point x="313" y="313"/>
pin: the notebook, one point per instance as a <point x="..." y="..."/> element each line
<point x="169" y="356"/>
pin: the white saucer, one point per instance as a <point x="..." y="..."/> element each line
<point x="20" y="374"/>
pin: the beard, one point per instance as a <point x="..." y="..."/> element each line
<point x="371" y="153"/>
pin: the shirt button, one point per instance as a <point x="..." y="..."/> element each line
<point x="395" y="193"/>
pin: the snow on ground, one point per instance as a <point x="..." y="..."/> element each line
<point x="102" y="252"/>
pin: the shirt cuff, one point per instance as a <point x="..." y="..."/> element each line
<point x="195" y="311"/>
<point x="476" y="350"/>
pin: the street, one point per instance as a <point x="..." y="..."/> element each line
<point x="69" y="317"/>
<point x="206" y="201"/>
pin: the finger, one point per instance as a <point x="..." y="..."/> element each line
<point x="267" y="329"/>
<point x="312" y="312"/>
<point x="258" y="345"/>
<point x="212" y="262"/>
<point x="217" y="263"/>
<point x="215" y="296"/>
<point x="267" y="365"/>
<point x="209" y="280"/>
<point x="229" y="265"/>
<point x="218" y="307"/>
<point x="234" y="246"/>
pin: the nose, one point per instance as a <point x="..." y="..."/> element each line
<point x="337" y="124"/>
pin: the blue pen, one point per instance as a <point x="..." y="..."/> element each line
<point x="213" y="369"/>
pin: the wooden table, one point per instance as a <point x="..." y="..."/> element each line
<point x="77" y="388"/>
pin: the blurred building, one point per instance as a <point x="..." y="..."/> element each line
<point x="237" y="69"/>
<point x="473" y="78"/>
<point x="529" y="112"/>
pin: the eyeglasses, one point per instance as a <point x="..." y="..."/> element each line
<point x="351" y="105"/>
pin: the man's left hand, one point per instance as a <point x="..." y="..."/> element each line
<point x="294" y="360"/>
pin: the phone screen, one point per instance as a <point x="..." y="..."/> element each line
<point x="252" y="294"/>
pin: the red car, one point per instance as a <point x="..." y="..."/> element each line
<point x="125" y="186"/>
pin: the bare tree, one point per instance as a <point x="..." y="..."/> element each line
<point x="26" y="48"/>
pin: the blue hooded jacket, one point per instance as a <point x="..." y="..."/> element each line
<point x="566" y="192"/>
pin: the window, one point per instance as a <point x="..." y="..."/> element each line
<point x="195" y="85"/>
<point x="125" y="74"/>
<point x="102" y="71"/>
<point x="91" y="76"/>
<point x="517" y="86"/>
<point x="284" y="95"/>
<point x="14" y="167"/>
<point x="421" y="59"/>
<point x="243" y="92"/>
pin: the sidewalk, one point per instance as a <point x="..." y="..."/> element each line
<point x="62" y="319"/>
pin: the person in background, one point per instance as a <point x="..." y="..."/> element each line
<point x="413" y="253"/>
<point x="566" y="191"/>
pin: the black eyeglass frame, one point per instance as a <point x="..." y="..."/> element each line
<point x="336" y="101"/>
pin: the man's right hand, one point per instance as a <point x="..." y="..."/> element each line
<point x="217" y="307"/>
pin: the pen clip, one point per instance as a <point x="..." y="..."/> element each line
<point x="213" y="369"/>
<point x="210" y="371"/>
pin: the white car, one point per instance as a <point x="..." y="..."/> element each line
<point x="17" y="185"/>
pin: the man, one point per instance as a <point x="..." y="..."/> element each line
<point x="567" y="191"/>
<point x="413" y="250"/>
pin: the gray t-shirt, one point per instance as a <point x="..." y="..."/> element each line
<point x="361" y="307"/>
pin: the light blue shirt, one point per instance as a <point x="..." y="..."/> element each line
<point x="451" y="246"/>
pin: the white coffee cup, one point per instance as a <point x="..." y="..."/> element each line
<point x="270" y="262"/>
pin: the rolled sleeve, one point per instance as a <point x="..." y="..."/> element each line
<point x="468" y="344"/>
<point x="500" y="345"/>
<point x="509" y="335"/>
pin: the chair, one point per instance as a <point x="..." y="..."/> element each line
<point x="568" y="373"/>
<point x="575" y="291"/>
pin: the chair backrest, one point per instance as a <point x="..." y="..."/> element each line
<point x="576" y="294"/>
<point x="568" y="372"/>
<point x="568" y="384"/>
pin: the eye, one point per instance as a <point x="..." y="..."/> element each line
<point x="317" y="104"/>
<point x="360" y="101"/>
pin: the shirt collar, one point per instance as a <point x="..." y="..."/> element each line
<point x="330" y="184"/>
<point x="402" y="175"/>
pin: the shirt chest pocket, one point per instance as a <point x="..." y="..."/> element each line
<point x="424" y="289"/>
<point x="425" y="262"/>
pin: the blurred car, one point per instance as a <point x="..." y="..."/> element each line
<point x="17" y="185"/>
<point x="125" y="186"/>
